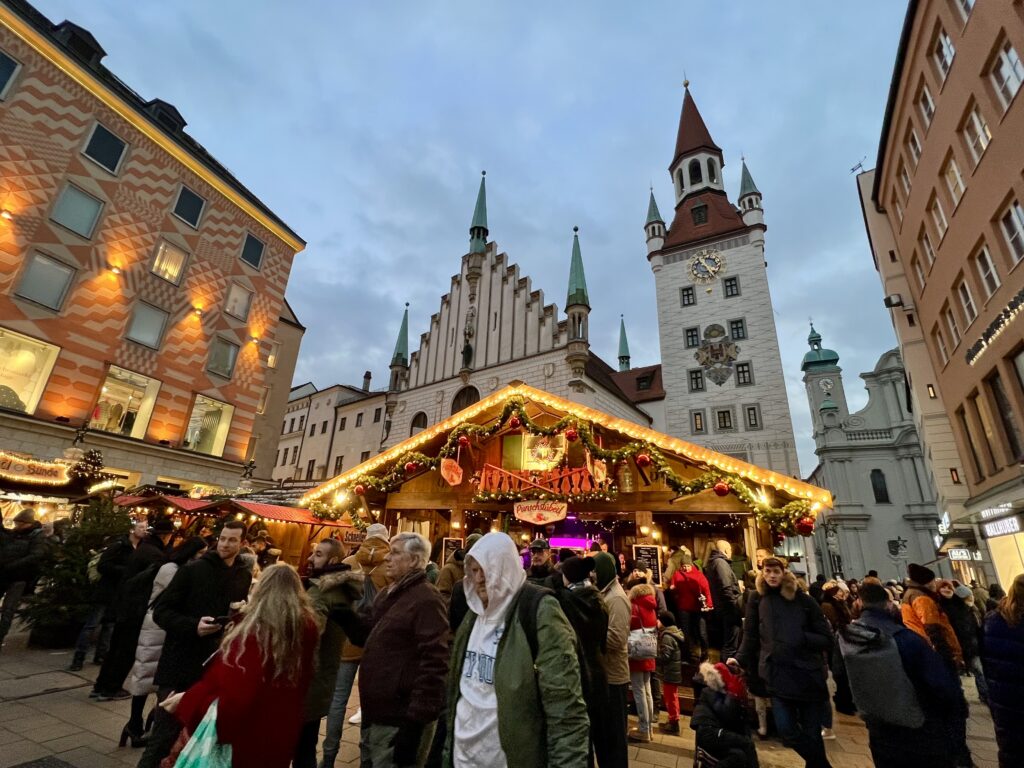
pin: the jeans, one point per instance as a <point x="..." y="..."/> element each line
<point x="696" y="629"/>
<point x="728" y="619"/>
<point x="11" y="592"/>
<point x="96" y="619"/>
<point x="671" y="693"/>
<point x="336" y="714"/>
<point x="979" y="678"/>
<point x="799" y="724"/>
<point x="377" y="750"/>
<point x="642" y="697"/>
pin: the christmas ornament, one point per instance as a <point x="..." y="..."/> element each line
<point x="721" y="488"/>
<point x="805" y="526"/>
<point x="514" y="422"/>
<point x="779" y="538"/>
<point x="643" y="460"/>
<point x="463" y="441"/>
<point x="360" y="490"/>
<point x="571" y="435"/>
<point x="410" y="467"/>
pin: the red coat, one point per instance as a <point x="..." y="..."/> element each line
<point x="688" y="586"/>
<point x="261" y="721"/>
<point x="644" y="615"/>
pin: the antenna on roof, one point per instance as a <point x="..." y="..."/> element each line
<point x="859" y="166"/>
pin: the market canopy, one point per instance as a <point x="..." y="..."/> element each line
<point x="570" y="453"/>
<point x="270" y="512"/>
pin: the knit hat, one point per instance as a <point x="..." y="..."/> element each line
<point x="472" y="539"/>
<point x="687" y="557"/>
<point x="163" y="525"/>
<point x="604" y="567"/>
<point x="377" y="531"/>
<point x="576" y="569"/>
<point x="963" y="592"/>
<point x="666" y="618"/>
<point x="27" y="515"/>
<point x="919" y="574"/>
<point x="564" y="554"/>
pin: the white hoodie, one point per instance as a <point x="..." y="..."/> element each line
<point x="476" y="715"/>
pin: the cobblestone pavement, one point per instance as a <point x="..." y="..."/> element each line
<point x="45" y="712"/>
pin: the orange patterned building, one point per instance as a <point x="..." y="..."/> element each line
<point x="141" y="285"/>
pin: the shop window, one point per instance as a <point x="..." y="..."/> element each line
<point x="25" y="366"/>
<point x="879" y="487"/>
<point x="125" y="403"/>
<point x="418" y="424"/>
<point x="223" y="355"/>
<point x="45" y="281"/>
<point x="208" y="426"/>
<point x="1007" y="417"/>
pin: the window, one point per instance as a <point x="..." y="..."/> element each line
<point x="697" y="425"/>
<point x="968" y="438"/>
<point x="465" y="398"/>
<point x="105" y="149"/>
<point x="926" y="105"/>
<point x="302" y="422"/>
<point x="954" y="475"/>
<point x="359" y="420"/>
<point x="753" y="416"/>
<point x="238" y="302"/>
<point x="737" y="329"/>
<point x="687" y="296"/>
<point x="910" y="319"/>
<point x="963" y="290"/>
<point x="699" y="214"/>
<point x="915" y="263"/>
<point x="692" y="337"/>
<point x="697" y="380"/>
<point x="418" y="423"/>
<point x="341" y="423"/>
<point x="1018" y="366"/>
<point x="223" y="355"/>
<point x="169" y="262"/>
<point x="8" y="69"/>
<point x="904" y="179"/>
<point x="312" y="430"/>
<point x="364" y="456"/>
<point x="976" y="133"/>
<point x="644" y="382"/>
<point x="951" y="325"/>
<point x="954" y="181"/>
<point x="731" y="286"/>
<point x="938" y="217"/>
<point x="724" y="418"/>
<point x="1013" y="229"/>
<point x="897" y="205"/>
<point x="339" y="463"/>
<point x="272" y="354"/>
<point x="189" y="207"/>
<point x="1006" y="416"/>
<point x="695" y="174"/>
<point x="1007" y="73"/>
<point x="252" y="251"/>
<point x="147" y="325"/>
<point x="125" y="404"/>
<point x="295" y="454"/>
<point x="744" y="375"/>
<point x="45" y="281"/>
<point x="712" y="171"/>
<point x="376" y="415"/>
<point x="323" y="428"/>
<point x="926" y="246"/>
<point x="943" y="53"/>
<point x="208" y="427"/>
<point x="310" y="467"/>
<point x="940" y="345"/>
<point x="913" y="144"/>
<point x="980" y="408"/>
<point x="878" y="487"/>
<point x="25" y="366"/>
<point x="77" y="211"/>
<point x="966" y="6"/>
<point x="291" y="426"/>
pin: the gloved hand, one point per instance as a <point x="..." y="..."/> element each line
<point x="407" y="743"/>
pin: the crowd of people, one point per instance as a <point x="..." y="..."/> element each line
<point x="523" y="659"/>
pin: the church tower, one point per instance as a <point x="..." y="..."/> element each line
<point x="577" y="308"/>
<point x="721" y="366"/>
<point x="823" y="379"/>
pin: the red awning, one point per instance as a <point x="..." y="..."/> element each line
<point x="274" y="512"/>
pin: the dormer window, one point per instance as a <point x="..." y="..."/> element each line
<point x="700" y="214"/>
<point x="712" y="171"/>
<point x="695" y="172"/>
<point x="166" y="115"/>
<point x="644" y="382"/>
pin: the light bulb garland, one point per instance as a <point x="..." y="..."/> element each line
<point x="789" y="519"/>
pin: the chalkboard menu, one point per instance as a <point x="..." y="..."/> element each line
<point x="448" y="548"/>
<point x="648" y="558"/>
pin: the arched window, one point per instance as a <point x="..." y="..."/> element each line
<point x="879" y="487"/>
<point x="419" y="423"/>
<point x="464" y="398"/>
<point x="679" y="181"/>
<point x="695" y="177"/>
<point x="712" y="171"/>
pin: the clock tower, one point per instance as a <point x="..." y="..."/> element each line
<point x="721" y="367"/>
<point x="823" y="379"/>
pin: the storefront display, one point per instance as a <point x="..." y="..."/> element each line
<point x="25" y="365"/>
<point x="208" y="426"/>
<point x="125" y="403"/>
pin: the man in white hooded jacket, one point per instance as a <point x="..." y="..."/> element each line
<point x="509" y="706"/>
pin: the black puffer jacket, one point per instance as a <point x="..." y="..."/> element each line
<point x="137" y="583"/>
<point x="111" y="566"/>
<point x="785" y="637"/>
<point x="965" y="626"/>
<point x="21" y="553"/>
<point x="725" y="587"/>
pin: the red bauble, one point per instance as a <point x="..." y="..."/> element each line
<point x="721" y="488"/>
<point x="643" y="460"/>
<point x="360" y="490"/>
<point x="411" y="466"/>
<point x="805" y="526"/>
<point x="571" y="435"/>
<point x="463" y="441"/>
<point x="779" y="538"/>
<point x="514" y="422"/>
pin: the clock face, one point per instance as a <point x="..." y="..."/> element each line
<point x="826" y="385"/>
<point x="706" y="265"/>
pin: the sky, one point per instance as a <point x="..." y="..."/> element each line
<point x="365" y="126"/>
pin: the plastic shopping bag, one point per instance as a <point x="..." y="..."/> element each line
<point x="203" y="750"/>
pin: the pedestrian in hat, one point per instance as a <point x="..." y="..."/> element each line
<point x="540" y="562"/>
<point x="922" y="613"/>
<point x="692" y="602"/>
<point x="22" y="550"/>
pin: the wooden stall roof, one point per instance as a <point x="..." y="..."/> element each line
<point x="491" y="406"/>
<point x="269" y="512"/>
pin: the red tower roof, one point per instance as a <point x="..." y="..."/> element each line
<point x="693" y="134"/>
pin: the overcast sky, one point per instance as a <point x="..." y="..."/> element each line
<point x="365" y="127"/>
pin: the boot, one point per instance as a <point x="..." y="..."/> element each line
<point x="671" y="727"/>
<point x="77" y="662"/>
<point x="761" y="706"/>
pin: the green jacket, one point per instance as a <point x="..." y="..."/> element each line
<point x="326" y="592"/>
<point x="542" y="720"/>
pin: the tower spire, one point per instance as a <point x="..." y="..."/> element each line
<point x="623" y="345"/>
<point x="478" y="227"/>
<point x="653" y="214"/>
<point x="577" y="279"/>
<point x="693" y="135"/>
<point x="747" y="185"/>
<point x="577" y="310"/>
<point x="401" y="355"/>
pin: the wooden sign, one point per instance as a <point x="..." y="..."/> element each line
<point x="448" y="547"/>
<point x="23" y="470"/>
<point x="540" y="512"/>
<point x="354" y="537"/>
<point x="648" y="558"/>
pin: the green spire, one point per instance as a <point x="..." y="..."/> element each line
<point x="653" y="214"/>
<point x="478" y="228"/>
<point x="623" y="344"/>
<point x="401" y="356"/>
<point x="577" y="280"/>
<point x="819" y="358"/>
<point x="747" y="185"/>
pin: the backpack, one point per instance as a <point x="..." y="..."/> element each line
<point x="881" y="688"/>
<point x="365" y="602"/>
<point x="529" y="602"/>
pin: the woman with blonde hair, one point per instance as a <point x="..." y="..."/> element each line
<point x="1003" y="658"/>
<point x="259" y="677"/>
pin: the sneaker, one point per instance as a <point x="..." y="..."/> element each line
<point x="827" y="734"/>
<point x="635" y="734"/>
<point x="671" y="727"/>
<point x="93" y="693"/>
<point x="116" y="696"/>
<point x="357" y="718"/>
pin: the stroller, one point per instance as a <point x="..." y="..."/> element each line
<point x="720" y="720"/>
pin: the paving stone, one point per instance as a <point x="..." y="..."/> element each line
<point x="21" y="752"/>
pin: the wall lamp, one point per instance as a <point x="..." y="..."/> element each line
<point x="197" y="311"/>
<point x="6" y="215"/>
<point x="114" y="269"/>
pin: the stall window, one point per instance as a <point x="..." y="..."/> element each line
<point x="25" y="366"/>
<point x="208" y="426"/>
<point x="125" y="403"/>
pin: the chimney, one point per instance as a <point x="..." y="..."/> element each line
<point x="366" y="381"/>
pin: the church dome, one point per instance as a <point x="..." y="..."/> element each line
<point x="818" y="357"/>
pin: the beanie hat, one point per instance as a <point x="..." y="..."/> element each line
<point x="963" y="592"/>
<point x="576" y="569"/>
<point x="733" y="683"/>
<point x="604" y="566"/>
<point x="472" y="539"/>
<point x="666" y="618"/>
<point x="27" y="515"/>
<point x="377" y="531"/>
<point x="687" y="557"/>
<point x="163" y="525"/>
<point x="564" y="554"/>
<point x="919" y="574"/>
